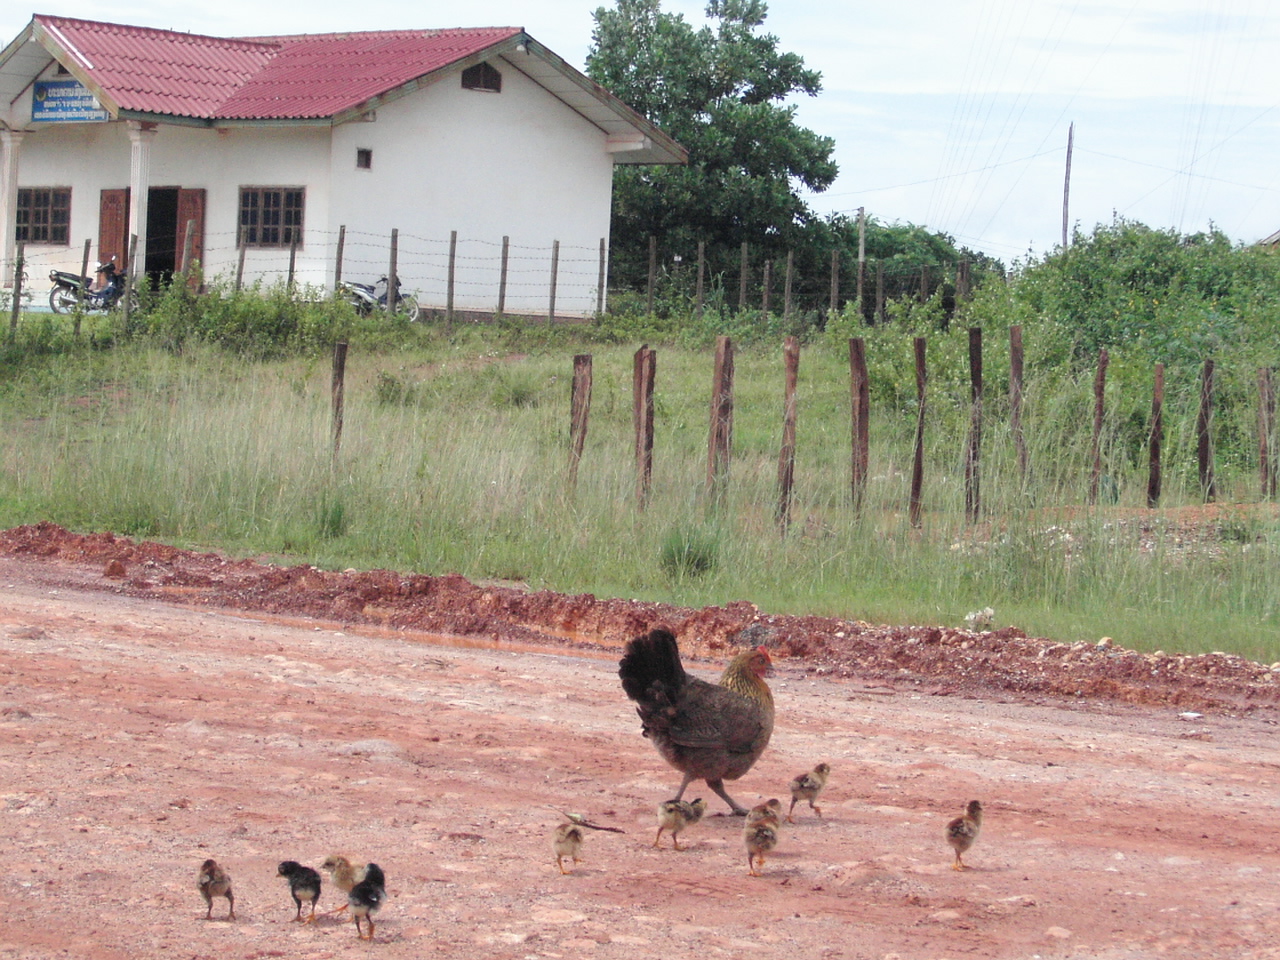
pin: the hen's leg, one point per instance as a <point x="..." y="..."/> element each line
<point x="684" y="784"/>
<point x="718" y="787"/>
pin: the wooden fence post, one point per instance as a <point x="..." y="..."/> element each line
<point x="643" y="375"/>
<point x="653" y="275"/>
<point x="787" y="454"/>
<point x="600" y="280"/>
<point x="1204" y="434"/>
<point x="1156" y="440"/>
<point x="786" y="286"/>
<point x="579" y="411"/>
<point x="834" y="306"/>
<point x="393" y="278"/>
<point x="449" y="278"/>
<point x="719" y="448"/>
<point x="80" y="291"/>
<point x="860" y="407"/>
<point x="337" y="390"/>
<point x="742" y="279"/>
<point x="973" y="454"/>
<point x="240" y="268"/>
<point x="1099" y="405"/>
<point x="765" y="284"/>
<point x="917" y="460"/>
<point x="1267" y="433"/>
<point x="337" y="257"/>
<point x="702" y="273"/>
<point x="502" y="276"/>
<point x="18" y="268"/>
<point x="188" y="238"/>
<point x="555" y="270"/>
<point x="880" y="315"/>
<point x="293" y="260"/>
<point x="1015" y="401"/>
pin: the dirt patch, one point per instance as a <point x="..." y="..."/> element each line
<point x="159" y="707"/>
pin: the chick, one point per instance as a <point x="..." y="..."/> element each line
<point x="675" y="815"/>
<point x="760" y="837"/>
<point x="213" y="881"/>
<point x="567" y="842"/>
<point x="807" y="786"/>
<point x="304" y="884"/>
<point x="365" y="898"/>
<point x="769" y="810"/>
<point x="963" y="831"/>
<point x="344" y="875"/>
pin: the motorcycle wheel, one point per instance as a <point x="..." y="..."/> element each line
<point x="62" y="300"/>
<point x="408" y="308"/>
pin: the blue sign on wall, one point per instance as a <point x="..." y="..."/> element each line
<point x="65" y="101"/>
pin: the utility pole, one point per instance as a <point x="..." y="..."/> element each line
<point x="1066" y="186"/>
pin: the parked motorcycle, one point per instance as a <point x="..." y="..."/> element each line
<point x="365" y="298"/>
<point x="70" y="290"/>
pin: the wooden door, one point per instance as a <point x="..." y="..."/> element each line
<point x="113" y="227"/>
<point x="191" y="208"/>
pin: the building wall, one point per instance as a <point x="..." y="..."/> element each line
<point x="518" y="164"/>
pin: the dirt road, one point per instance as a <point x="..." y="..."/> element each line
<point x="144" y="728"/>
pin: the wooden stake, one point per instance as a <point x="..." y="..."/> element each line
<point x="644" y="368"/>
<point x="18" y="269"/>
<point x="917" y="461"/>
<point x="337" y="390"/>
<point x="392" y="276"/>
<point x="653" y="275"/>
<point x="973" y="454"/>
<point x="721" y="441"/>
<point x="860" y="406"/>
<point x="1267" y="433"/>
<point x="600" y="280"/>
<point x="579" y="411"/>
<point x="555" y="270"/>
<point x="786" y="286"/>
<point x="1156" y="440"/>
<point x="448" y="288"/>
<point x="1204" y="434"/>
<point x="787" y="454"/>
<point x="1099" y="398"/>
<point x="1015" y="402"/>
<point x="502" y="276"/>
<point x="337" y="257"/>
<point x="742" y="280"/>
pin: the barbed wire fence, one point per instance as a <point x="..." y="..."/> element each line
<point x="477" y="277"/>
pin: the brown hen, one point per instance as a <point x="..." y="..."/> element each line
<point x="707" y="731"/>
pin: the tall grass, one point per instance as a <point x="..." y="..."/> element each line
<point x="455" y="459"/>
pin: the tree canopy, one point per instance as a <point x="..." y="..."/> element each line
<point x="720" y="91"/>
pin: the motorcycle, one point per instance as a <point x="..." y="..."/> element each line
<point x="365" y="298"/>
<point x="71" y="291"/>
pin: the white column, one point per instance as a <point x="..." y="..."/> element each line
<point x="10" y="147"/>
<point x="141" y="136"/>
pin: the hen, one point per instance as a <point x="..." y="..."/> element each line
<point x="707" y="731"/>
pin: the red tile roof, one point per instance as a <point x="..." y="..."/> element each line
<point x="142" y="70"/>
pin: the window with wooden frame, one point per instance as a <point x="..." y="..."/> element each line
<point x="271" y="216"/>
<point x="44" y="215"/>
<point x="364" y="158"/>
<point x="482" y="77"/>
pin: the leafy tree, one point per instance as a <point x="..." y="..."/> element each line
<point x="720" y="92"/>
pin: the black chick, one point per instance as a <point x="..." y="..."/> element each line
<point x="213" y="881"/>
<point x="304" y="884"/>
<point x="365" y="898"/>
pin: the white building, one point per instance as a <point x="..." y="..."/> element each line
<point x="268" y="149"/>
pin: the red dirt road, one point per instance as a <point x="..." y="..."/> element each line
<point x="158" y="708"/>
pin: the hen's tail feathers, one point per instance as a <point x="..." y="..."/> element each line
<point x="651" y="659"/>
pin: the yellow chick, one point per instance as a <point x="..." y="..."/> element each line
<point x="675" y="815"/>
<point x="962" y="832"/>
<point x="807" y="786"/>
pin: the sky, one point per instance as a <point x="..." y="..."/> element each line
<point x="949" y="114"/>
